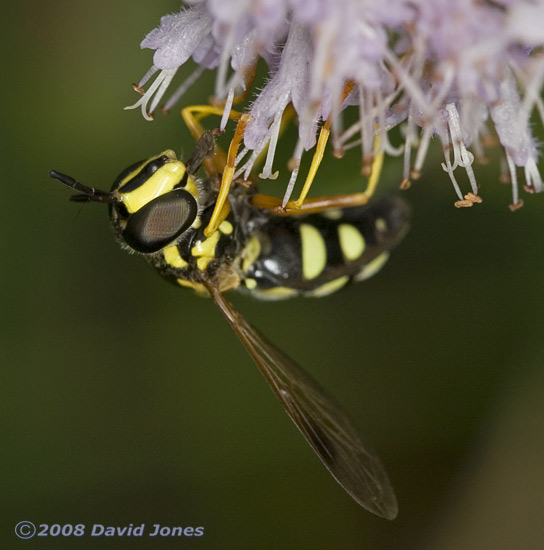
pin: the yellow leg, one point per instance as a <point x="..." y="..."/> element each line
<point x="316" y="161"/>
<point x="310" y="206"/>
<point x="222" y="207"/>
<point x="320" y="150"/>
<point x="376" y="170"/>
<point x="220" y="163"/>
<point x="225" y="164"/>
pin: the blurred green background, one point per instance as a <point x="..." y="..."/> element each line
<point x="117" y="408"/>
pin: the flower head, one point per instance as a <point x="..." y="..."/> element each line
<point x="448" y="68"/>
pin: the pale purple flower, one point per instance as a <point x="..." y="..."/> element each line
<point x="456" y="69"/>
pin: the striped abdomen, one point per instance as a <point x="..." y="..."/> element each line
<point x="317" y="254"/>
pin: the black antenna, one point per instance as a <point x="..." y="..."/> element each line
<point x="85" y="194"/>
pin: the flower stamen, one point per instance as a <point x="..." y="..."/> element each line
<point x="154" y="94"/>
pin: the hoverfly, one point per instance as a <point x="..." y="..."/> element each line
<point x="160" y="209"/>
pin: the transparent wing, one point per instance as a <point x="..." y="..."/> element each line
<point x="327" y="429"/>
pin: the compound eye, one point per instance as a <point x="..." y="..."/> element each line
<point x="160" y="221"/>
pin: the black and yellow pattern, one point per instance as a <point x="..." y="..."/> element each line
<point x="253" y="250"/>
<point x="317" y="254"/>
<point x="160" y="209"/>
